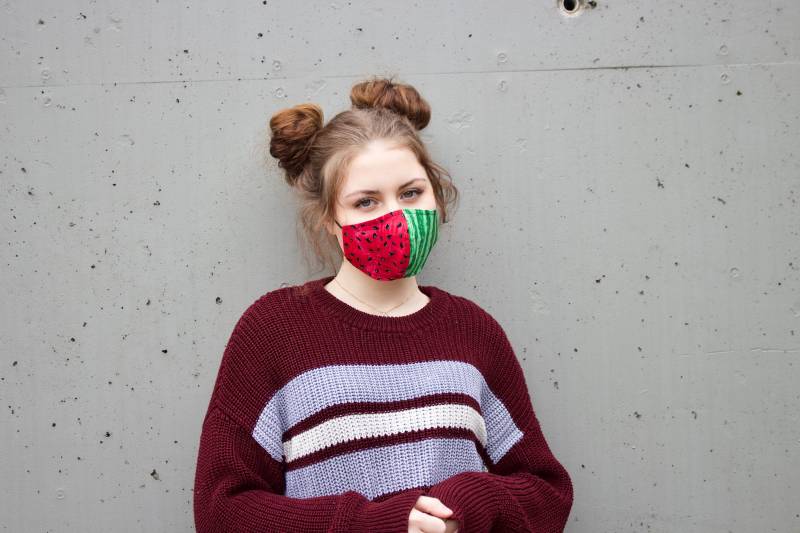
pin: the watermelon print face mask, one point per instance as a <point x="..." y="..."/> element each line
<point x="393" y="245"/>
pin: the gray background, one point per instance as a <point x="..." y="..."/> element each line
<point x="629" y="214"/>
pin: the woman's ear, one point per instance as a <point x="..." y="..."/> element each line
<point x="331" y="227"/>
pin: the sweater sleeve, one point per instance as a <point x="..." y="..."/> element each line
<point x="526" y="489"/>
<point x="239" y="486"/>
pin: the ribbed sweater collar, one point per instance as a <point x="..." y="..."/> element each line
<point x="436" y="309"/>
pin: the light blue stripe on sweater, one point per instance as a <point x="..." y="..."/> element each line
<point x="330" y="385"/>
<point x="377" y="471"/>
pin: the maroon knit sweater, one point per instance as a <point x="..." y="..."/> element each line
<point x="327" y="418"/>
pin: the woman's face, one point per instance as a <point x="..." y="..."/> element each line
<point x="381" y="179"/>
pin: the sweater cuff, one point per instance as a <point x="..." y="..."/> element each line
<point x="472" y="496"/>
<point x="385" y="516"/>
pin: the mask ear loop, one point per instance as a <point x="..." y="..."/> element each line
<point x="337" y="223"/>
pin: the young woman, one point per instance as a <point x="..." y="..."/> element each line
<point x="363" y="402"/>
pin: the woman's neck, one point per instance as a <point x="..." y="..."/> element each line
<point x="399" y="297"/>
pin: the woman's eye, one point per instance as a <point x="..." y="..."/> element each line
<point x="361" y="205"/>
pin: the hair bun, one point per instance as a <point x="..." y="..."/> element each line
<point x="400" y="98"/>
<point x="293" y="132"/>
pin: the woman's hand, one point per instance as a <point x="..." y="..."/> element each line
<point x="429" y="515"/>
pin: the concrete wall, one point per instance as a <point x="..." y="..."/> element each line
<point x="630" y="186"/>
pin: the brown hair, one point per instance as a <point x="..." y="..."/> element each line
<point x="315" y="157"/>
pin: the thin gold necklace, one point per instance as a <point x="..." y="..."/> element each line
<point x="386" y="313"/>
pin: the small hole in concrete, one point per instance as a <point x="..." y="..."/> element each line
<point x="570" y="7"/>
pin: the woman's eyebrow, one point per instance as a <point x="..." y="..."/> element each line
<point x="369" y="191"/>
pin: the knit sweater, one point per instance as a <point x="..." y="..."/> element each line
<point x="326" y="418"/>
